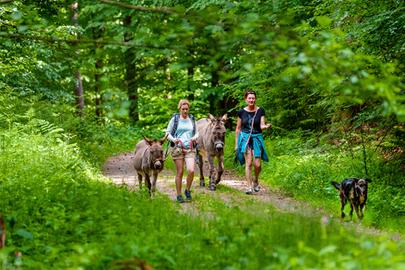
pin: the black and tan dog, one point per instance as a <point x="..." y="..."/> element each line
<point x="353" y="190"/>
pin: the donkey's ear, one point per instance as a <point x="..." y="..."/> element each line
<point x="147" y="140"/>
<point x="163" y="139"/>
<point x="211" y="117"/>
<point x="224" y="118"/>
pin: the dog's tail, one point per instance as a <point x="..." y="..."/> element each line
<point x="336" y="185"/>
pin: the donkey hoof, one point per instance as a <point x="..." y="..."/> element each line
<point x="202" y="184"/>
<point x="212" y="187"/>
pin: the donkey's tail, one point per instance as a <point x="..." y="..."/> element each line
<point x="336" y="185"/>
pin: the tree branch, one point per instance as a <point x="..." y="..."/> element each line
<point x="5" y="1"/>
<point x="52" y="40"/>
<point x="165" y="10"/>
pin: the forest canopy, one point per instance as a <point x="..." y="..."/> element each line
<point x="318" y="66"/>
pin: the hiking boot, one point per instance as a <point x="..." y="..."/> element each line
<point x="180" y="199"/>
<point x="249" y="191"/>
<point x="188" y="195"/>
<point x="256" y="188"/>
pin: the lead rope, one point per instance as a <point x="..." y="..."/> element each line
<point x="166" y="151"/>
<point x="181" y="144"/>
<point x="183" y="148"/>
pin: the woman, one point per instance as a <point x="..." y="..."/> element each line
<point x="249" y="143"/>
<point x="182" y="133"/>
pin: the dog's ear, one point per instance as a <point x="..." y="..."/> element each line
<point x="336" y="185"/>
<point x="368" y="180"/>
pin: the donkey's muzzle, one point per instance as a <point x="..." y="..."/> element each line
<point x="219" y="146"/>
<point x="158" y="164"/>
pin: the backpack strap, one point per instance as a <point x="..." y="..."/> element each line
<point x="176" y="117"/>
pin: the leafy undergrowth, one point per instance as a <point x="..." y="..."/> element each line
<point x="61" y="214"/>
<point x="305" y="170"/>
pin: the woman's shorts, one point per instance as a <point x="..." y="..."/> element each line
<point x="180" y="153"/>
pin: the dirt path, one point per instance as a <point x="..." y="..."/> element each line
<point x="120" y="170"/>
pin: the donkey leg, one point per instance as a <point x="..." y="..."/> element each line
<point x="220" y="168"/>
<point x="154" y="180"/>
<point x="201" y="167"/>
<point x="147" y="181"/>
<point x="140" y="180"/>
<point x="212" y="173"/>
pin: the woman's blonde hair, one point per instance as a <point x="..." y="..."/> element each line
<point x="183" y="102"/>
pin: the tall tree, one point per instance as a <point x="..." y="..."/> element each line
<point x="79" y="82"/>
<point x="130" y="72"/>
<point x="97" y="34"/>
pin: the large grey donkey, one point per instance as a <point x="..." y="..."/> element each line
<point x="211" y="143"/>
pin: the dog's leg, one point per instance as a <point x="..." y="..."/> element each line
<point x="351" y="210"/>
<point x="359" y="211"/>
<point x="342" y="204"/>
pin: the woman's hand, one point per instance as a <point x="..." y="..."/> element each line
<point x="266" y="126"/>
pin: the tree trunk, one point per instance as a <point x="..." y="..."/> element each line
<point x="190" y="81"/>
<point x="2" y="232"/>
<point x="213" y="98"/>
<point x="97" y="88"/>
<point x="79" y="83"/>
<point x="130" y="74"/>
<point x="79" y="94"/>
<point x="97" y="33"/>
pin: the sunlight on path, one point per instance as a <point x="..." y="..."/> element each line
<point x="119" y="169"/>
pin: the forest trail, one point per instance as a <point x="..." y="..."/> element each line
<point x="119" y="169"/>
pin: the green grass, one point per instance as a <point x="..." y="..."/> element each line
<point x="304" y="170"/>
<point x="62" y="214"/>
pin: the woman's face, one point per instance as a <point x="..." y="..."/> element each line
<point x="184" y="110"/>
<point x="250" y="99"/>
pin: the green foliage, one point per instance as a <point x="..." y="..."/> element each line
<point x="329" y="71"/>
<point x="62" y="214"/>
<point x="305" y="168"/>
